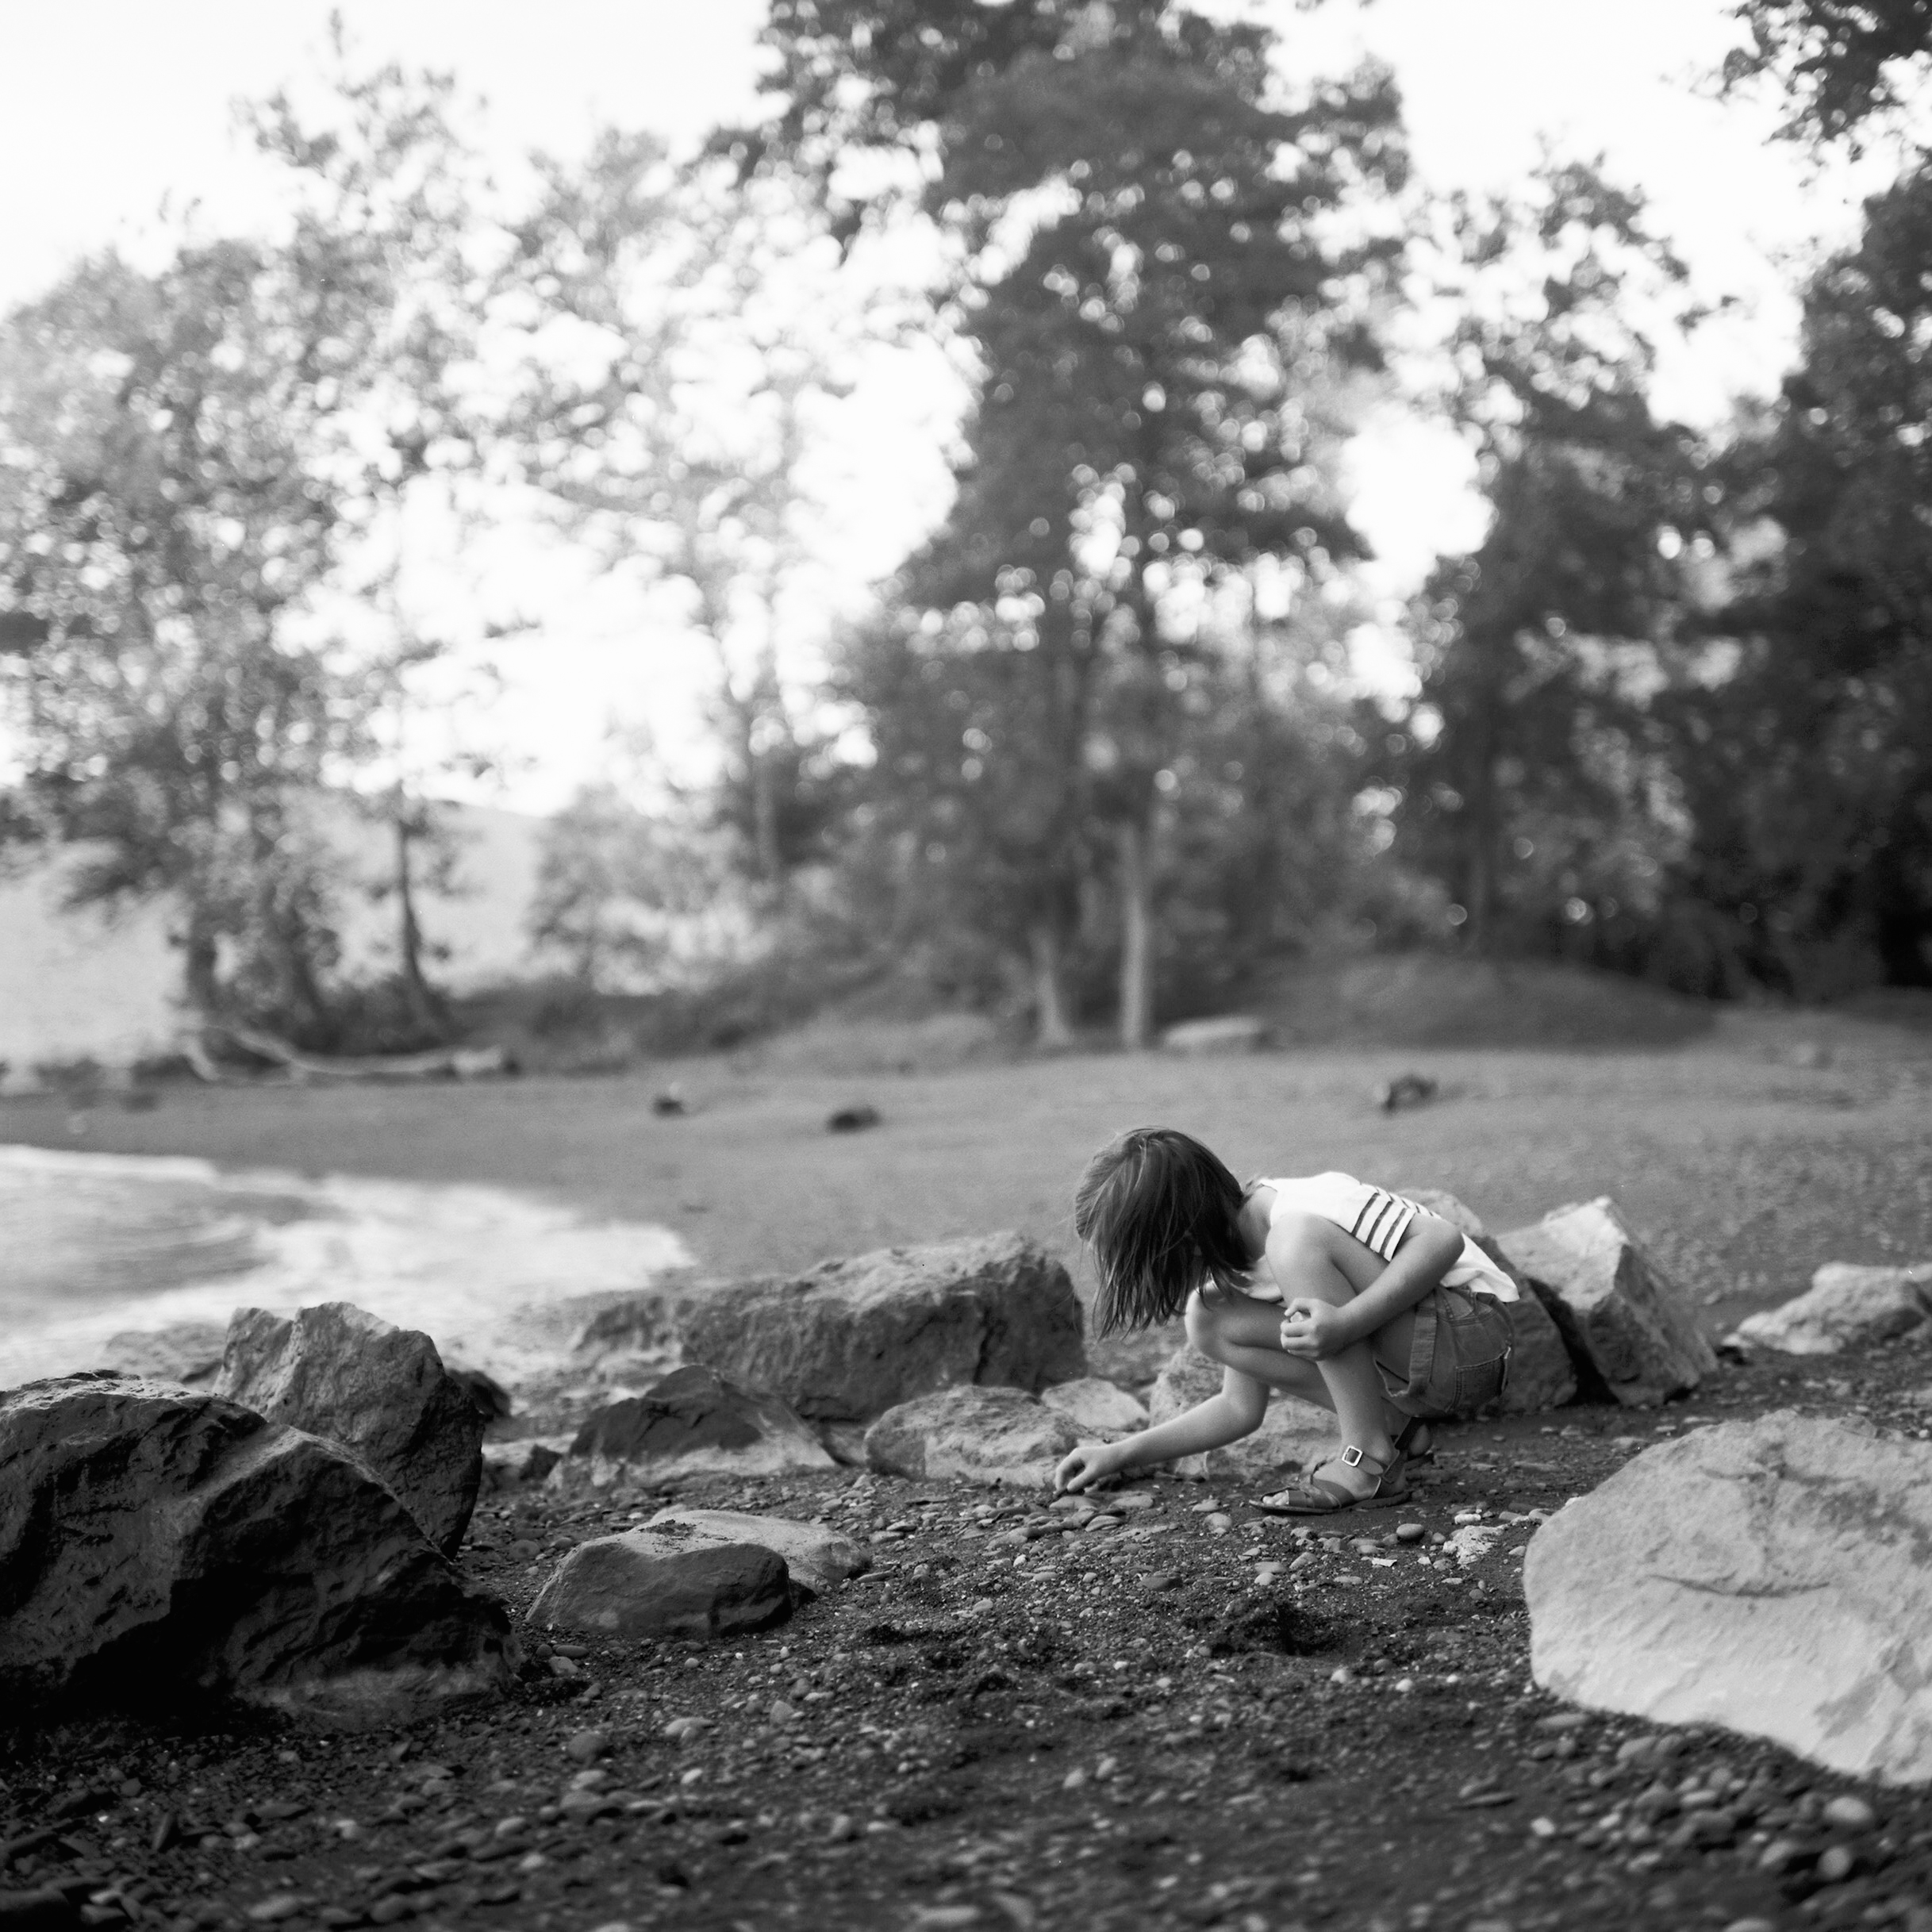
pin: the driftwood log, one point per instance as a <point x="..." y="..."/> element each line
<point x="439" y="1063"/>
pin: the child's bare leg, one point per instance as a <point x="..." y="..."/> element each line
<point x="1354" y="1385"/>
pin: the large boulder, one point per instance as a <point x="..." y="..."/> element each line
<point x="1845" y="1305"/>
<point x="692" y="1422"/>
<point x="1616" y="1310"/>
<point x="155" y="1541"/>
<point x="1293" y="1434"/>
<point x="1542" y="1375"/>
<point x="186" y="1352"/>
<point x="669" y="1581"/>
<point x="1768" y="1576"/>
<point x="818" y="1559"/>
<point x="982" y="1435"/>
<point x="1095" y="1406"/>
<point x="378" y="1390"/>
<point x="847" y="1341"/>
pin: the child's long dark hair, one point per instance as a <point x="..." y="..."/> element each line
<point x="1159" y="1211"/>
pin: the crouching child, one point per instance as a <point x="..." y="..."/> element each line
<point x="1324" y="1286"/>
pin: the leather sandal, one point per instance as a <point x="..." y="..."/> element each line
<point x="1313" y="1495"/>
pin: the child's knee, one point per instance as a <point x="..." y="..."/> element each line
<point x="1301" y="1251"/>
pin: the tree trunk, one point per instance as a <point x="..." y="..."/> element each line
<point x="1052" y="1032"/>
<point x="1484" y="833"/>
<point x="1136" y="880"/>
<point x="425" y="1008"/>
<point x="765" y="820"/>
<point x="200" y="963"/>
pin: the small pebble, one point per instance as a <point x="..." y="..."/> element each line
<point x="1835" y="1863"/>
<point x="1850" y="1814"/>
<point x="586" y="1745"/>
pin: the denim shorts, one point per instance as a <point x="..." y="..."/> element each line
<point x="1459" y="1359"/>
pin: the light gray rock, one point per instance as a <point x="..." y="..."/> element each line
<point x="665" y="1582"/>
<point x="985" y="1436"/>
<point x="1441" y="1203"/>
<point x="158" y="1542"/>
<point x="1845" y="1306"/>
<point x="189" y="1353"/>
<point x="818" y="1559"/>
<point x="1133" y="1358"/>
<point x="849" y="1339"/>
<point x="691" y="1422"/>
<point x="1293" y="1434"/>
<point x="381" y="1391"/>
<point x="1091" y="1403"/>
<point x="1615" y="1308"/>
<point x="1229" y="1033"/>
<point x="1768" y="1576"/>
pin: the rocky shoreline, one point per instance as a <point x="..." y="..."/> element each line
<point x="1012" y="1721"/>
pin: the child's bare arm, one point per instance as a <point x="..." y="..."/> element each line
<point x="1427" y="1250"/>
<point x="1236" y="1412"/>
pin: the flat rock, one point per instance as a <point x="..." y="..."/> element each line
<point x="1229" y="1033"/>
<point x="1766" y="1576"/>
<point x="985" y="1436"/>
<point x="1845" y="1306"/>
<point x="1616" y="1311"/>
<point x="691" y="1422"/>
<point x="1090" y="1402"/>
<point x="662" y="1582"/>
<point x="380" y="1391"/>
<point x="189" y="1353"/>
<point x="162" y="1542"/>
<point x="849" y="1339"/>
<point x="818" y="1559"/>
<point x="1293" y="1434"/>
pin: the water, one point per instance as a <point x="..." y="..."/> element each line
<point x="91" y="1244"/>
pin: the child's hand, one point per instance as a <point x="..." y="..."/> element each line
<point x="1087" y="1464"/>
<point x="1309" y="1329"/>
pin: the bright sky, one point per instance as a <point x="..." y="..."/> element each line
<point x="115" y="105"/>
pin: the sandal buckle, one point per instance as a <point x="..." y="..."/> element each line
<point x="1352" y="1455"/>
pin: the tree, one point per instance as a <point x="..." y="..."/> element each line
<point x="186" y="459"/>
<point x="631" y="899"/>
<point x="1155" y="298"/>
<point x="156" y="523"/>
<point x="1526" y="768"/>
<point x="1806" y="764"/>
<point x="708" y="342"/>
<point x="1840" y="63"/>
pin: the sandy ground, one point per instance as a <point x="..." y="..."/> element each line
<point x="1748" y="1156"/>
<point x="1086" y="1730"/>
